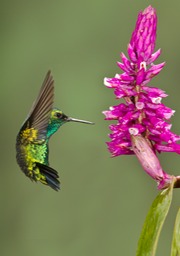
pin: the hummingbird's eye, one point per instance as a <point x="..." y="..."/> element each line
<point x="58" y="115"/>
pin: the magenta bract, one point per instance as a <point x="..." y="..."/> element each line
<point x="142" y="109"/>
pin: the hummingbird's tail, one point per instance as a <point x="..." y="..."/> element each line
<point x="51" y="176"/>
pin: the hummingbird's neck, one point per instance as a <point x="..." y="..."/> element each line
<point x="52" y="128"/>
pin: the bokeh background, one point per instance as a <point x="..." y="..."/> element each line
<point x="103" y="201"/>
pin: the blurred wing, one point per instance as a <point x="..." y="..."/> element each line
<point x="38" y="117"/>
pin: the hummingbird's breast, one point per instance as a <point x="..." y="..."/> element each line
<point x="29" y="152"/>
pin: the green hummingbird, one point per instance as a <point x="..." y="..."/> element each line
<point x="32" y="140"/>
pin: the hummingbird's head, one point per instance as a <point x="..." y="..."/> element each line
<point x="58" y="118"/>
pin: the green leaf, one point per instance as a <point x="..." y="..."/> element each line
<point x="175" y="249"/>
<point x="154" y="221"/>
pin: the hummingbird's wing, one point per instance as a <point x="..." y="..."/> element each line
<point x="39" y="114"/>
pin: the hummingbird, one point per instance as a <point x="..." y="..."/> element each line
<point x="42" y="122"/>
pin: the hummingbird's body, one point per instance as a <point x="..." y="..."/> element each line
<point x="33" y="137"/>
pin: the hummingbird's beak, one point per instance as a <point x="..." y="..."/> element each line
<point x="71" y="119"/>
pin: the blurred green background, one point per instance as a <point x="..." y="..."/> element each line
<point x="103" y="201"/>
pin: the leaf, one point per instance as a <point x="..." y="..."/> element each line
<point x="175" y="248"/>
<point x="155" y="218"/>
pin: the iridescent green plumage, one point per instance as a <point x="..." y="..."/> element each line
<point x="32" y="139"/>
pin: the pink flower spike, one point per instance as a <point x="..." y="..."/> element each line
<point x="143" y="126"/>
